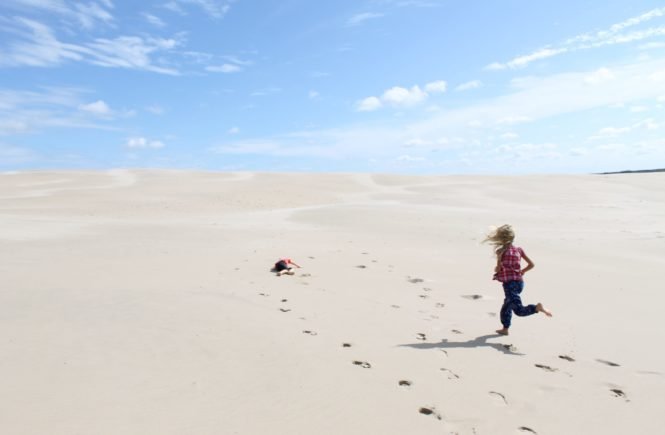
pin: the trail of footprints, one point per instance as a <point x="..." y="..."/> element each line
<point x="431" y="410"/>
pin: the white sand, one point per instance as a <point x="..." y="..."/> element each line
<point x="141" y="302"/>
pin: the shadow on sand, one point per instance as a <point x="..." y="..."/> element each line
<point x="476" y="342"/>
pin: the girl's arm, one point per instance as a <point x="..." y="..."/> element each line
<point x="529" y="264"/>
<point x="295" y="264"/>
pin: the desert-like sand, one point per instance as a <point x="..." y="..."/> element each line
<point x="142" y="302"/>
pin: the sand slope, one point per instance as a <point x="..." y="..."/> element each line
<point x="141" y="302"/>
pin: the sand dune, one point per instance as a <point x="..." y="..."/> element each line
<point x="141" y="302"/>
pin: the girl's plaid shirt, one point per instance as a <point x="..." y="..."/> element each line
<point x="511" y="269"/>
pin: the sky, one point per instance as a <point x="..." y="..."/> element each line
<point x="390" y="86"/>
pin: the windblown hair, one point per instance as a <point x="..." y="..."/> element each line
<point x="500" y="238"/>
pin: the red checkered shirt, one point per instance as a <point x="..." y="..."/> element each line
<point x="511" y="270"/>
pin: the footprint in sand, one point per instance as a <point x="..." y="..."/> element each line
<point x="395" y="306"/>
<point x="567" y="358"/>
<point x="361" y="266"/>
<point x="499" y="396"/>
<point x="619" y="393"/>
<point x="509" y="347"/>
<point x="306" y="331"/>
<point x="415" y="280"/>
<point x="264" y="294"/>
<point x="526" y="429"/>
<point x="346" y="344"/>
<point x="546" y="368"/>
<point x="455" y="331"/>
<point x="427" y="289"/>
<point x="284" y="310"/>
<point x="363" y="364"/>
<point x="451" y="374"/>
<point x="421" y="336"/>
<point x="430" y="411"/>
<point x="404" y="383"/>
<point x="440" y="305"/>
<point x="285" y="300"/>
<point x="609" y="363"/>
<point x="491" y="314"/>
<point x="423" y="296"/>
<point x="472" y="297"/>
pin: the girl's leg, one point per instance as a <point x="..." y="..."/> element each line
<point x="541" y="309"/>
<point x="506" y="314"/>
<point x="515" y="288"/>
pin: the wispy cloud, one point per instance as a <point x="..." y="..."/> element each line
<point x="361" y="18"/>
<point x="214" y="8"/>
<point x="266" y="91"/>
<point x="473" y="84"/>
<point x="29" y="111"/>
<point x="225" y="68"/>
<point x="87" y="15"/>
<point x="142" y="142"/>
<point x="612" y="132"/>
<point x="11" y="155"/>
<point x="615" y="34"/>
<point x="38" y="46"/>
<point x="154" y="20"/>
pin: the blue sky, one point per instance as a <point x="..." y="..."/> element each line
<point x="405" y="86"/>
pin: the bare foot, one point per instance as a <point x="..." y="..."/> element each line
<point x="502" y="331"/>
<point x="541" y="309"/>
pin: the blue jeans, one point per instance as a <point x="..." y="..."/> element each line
<point x="513" y="303"/>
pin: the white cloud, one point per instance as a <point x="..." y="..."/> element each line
<point x="509" y="136"/>
<point x="610" y="36"/>
<point x="438" y="86"/>
<point x="225" y="68"/>
<point x="408" y="158"/>
<point x="522" y="61"/>
<point x="37" y="46"/>
<point x="233" y="130"/>
<point x="638" y="109"/>
<point x="28" y="111"/>
<point x="402" y="97"/>
<point x="360" y="18"/>
<point x="369" y="104"/>
<point x="266" y="91"/>
<point x="99" y="108"/>
<point x="611" y="132"/>
<point x="313" y="94"/>
<point x="11" y="155"/>
<point x="214" y="8"/>
<point x="416" y="142"/>
<point x="473" y="84"/>
<point x="652" y="46"/>
<point x="513" y="119"/>
<point x="155" y="109"/>
<point x="86" y="15"/>
<point x="154" y="20"/>
<point x="599" y="76"/>
<point x="142" y="142"/>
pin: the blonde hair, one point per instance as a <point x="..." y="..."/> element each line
<point x="500" y="238"/>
